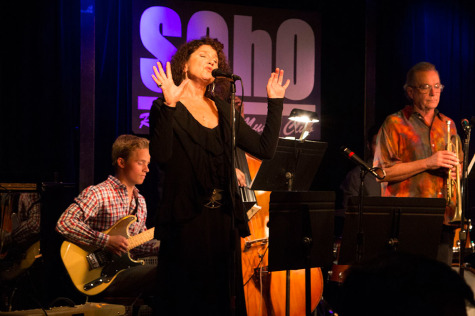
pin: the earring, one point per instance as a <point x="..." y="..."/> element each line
<point x="211" y="88"/>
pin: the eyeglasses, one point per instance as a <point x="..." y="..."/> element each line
<point x="425" y="88"/>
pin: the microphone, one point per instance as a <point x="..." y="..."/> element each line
<point x="466" y="124"/>
<point x="218" y="73"/>
<point x="348" y="153"/>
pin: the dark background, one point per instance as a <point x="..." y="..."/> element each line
<point x="367" y="48"/>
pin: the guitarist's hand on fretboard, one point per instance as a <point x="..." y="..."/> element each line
<point x="117" y="244"/>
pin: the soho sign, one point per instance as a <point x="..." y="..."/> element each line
<point x="253" y="53"/>
<point x="294" y="48"/>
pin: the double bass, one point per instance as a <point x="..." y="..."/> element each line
<point x="270" y="293"/>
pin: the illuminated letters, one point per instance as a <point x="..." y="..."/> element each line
<point x="155" y="42"/>
<point x="211" y="23"/>
<point x="254" y="67"/>
<point x="252" y="49"/>
<point x="296" y="46"/>
<point x="253" y="53"/>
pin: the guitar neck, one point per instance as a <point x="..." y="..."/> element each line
<point x="137" y="240"/>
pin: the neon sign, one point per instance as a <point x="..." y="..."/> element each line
<point x="290" y="44"/>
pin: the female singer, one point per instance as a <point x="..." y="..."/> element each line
<point x="201" y="215"/>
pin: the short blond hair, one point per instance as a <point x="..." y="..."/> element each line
<point x="125" y="144"/>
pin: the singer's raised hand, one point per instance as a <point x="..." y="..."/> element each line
<point x="275" y="89"/>
<point x="164" y="81"/>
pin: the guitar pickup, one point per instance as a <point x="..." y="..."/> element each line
<point x="260" y="242"/>
<point x="92" y="261"/>
<point x="98" y="259"/>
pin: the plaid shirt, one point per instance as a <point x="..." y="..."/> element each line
<point x="99" y="207"/>
<point x="29" y="214"/>
<point x="405" y="137"/>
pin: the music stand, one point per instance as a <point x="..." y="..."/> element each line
<point x="411" y="225"/>
<point x="299" y="235"/>
<point x="289" y="216"/>
<point x="471" y="175"/>
<point x="292" y="168"/>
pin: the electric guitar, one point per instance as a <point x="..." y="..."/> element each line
<point x="93" y="270"/>
<point x="14" y="265"/>
<point x="17" y="260"/>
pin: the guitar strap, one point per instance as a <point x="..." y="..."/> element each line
<point x="136" y="206"/>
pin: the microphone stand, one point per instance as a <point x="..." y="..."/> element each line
<point x="233" y="121"/>
<point x="360" y="234"/>
<point x="464" y="188"/>
<point x="233" y="190"/>
<point x="360" y="238"/>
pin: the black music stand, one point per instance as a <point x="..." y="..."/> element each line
<point x="301" y="234"/>
<point x="292" y="168"/>
<point x="411" y="225"/>
<point x="300" y="222"/>
<point x="294" y="216"/>
<point x="471" y="174"/>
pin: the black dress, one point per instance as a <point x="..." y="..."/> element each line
<point x="199" y="266"/>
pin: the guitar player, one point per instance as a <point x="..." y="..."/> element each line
<point x="100" y="207"/>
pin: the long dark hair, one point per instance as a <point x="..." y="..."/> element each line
<point x="221" y="86"/>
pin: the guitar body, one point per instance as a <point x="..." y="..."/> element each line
<point x="92" y="280"/>
<point x="17" y="259"/>
<point x="12" y="269"/>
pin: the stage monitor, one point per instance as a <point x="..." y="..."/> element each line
<point x="294" y="216"/>
<point x="295" y="158"/>
<point x="411" y="225"/>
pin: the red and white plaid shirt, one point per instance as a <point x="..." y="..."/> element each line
<point x="28" y="219"/>
<point x="98" y="208"/>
